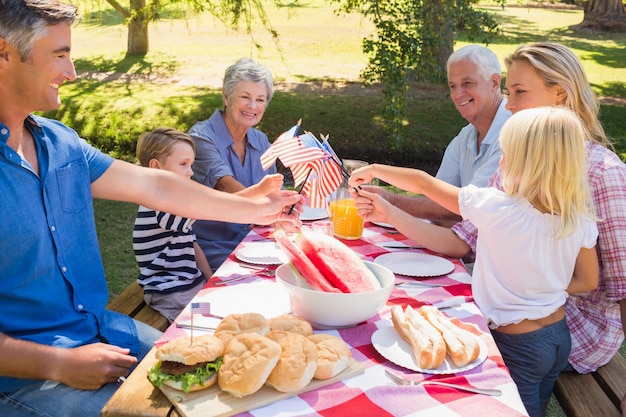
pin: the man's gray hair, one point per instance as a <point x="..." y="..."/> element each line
<point x="485" y="59"/>
<point x="246" y="69"/>
<point x="24" y="22"/>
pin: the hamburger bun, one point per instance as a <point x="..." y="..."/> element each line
<point x="297" y="362"/>
<point x="185" y="366"/>
<point x="333" y="355"/>
<point x="248" y="360"/>
<point x="235" y="324"/>
<point x="195" y="386"/>
<point x="291" y="323"/>
<point x="205" y="348"/>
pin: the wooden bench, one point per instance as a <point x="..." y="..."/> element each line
<point x="131" y="303"/>
<point x="595" y="394"/>
<point x="137" y="390"/>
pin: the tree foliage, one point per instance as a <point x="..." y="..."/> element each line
<point x="138" y="14"/>
<point x="411" y="42"/>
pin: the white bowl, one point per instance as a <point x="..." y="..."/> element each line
<point x="326" y="310"/>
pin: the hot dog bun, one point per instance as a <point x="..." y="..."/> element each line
<point x="462" y="346"/>
<point x="427" y="343"/>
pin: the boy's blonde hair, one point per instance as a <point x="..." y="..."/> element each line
<point x="158" y="144"/>
<point x="543" y="151"/>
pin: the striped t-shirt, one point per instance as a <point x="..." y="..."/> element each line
<point x="163" y="246"/>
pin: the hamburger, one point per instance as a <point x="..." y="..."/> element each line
<point x="188" y="367"/>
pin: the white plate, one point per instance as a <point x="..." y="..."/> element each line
<point x="415" y="264"/>
<point x="395" y="349"/>
<point x="267" y="298"/>
<point x="262" y="253"/>
<point x="390" y="226"/>
<point x="385" y="225"/>
<point x="313" y="214"/>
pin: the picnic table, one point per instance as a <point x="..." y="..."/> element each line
<point x="364" y="390"/>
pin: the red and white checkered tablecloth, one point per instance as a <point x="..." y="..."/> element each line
<point x="372" y="393"/>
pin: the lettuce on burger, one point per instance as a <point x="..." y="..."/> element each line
<point x="188" y="367"/>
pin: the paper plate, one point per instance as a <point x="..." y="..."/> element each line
<point x="390" y="226"/>
<point x="262" y="253"/>
<point x="267" y="298"/>
<point x="392" y="347"/>
<point x="385" y="225"/>
<point x="313" y="214"/>
<point x="415" y="264"/>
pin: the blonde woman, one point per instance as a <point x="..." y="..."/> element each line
<point x="543" y="222"/>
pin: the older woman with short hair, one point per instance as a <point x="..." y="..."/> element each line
<point x="228" y="151"/>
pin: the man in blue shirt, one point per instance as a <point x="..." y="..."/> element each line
<point x="61" y="351"/>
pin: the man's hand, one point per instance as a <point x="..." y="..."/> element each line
<point x="276" y="207"/>
<point x="89" y="367"/>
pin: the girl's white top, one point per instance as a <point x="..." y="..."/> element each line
<point x="522" y="269"/>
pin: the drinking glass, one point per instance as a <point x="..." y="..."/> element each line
<point x="347" y="224"/>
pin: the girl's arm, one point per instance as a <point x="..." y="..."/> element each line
<point x="411" y="180"/>
<point x="586" y="272"/>
<point x="373" y="207"/>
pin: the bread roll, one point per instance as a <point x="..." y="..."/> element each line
<point x="205" y="348"/>
<point x="297" y="362"/>
<point x="291" y="323"/>
<point x="248" y="360"/>
<point x="333" y="355"/>
<point x="462" y="346"/>
<point x="235" y="324"/>
<point x="427" y="344"/>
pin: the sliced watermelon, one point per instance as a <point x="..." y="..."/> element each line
<point x="302" y="264"/>
<point x="339" y="264"/>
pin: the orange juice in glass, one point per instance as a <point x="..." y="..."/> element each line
<point x="347" y="224"/>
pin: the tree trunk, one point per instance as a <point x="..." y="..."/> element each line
<point x="138" y="41"/>
<point x="436" y="50"/>
<point x="603" y="16"/>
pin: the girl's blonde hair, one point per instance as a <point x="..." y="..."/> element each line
<point x="158" y="144"/>
<point x="556" y="64"/>
<point x="543" y="151"/>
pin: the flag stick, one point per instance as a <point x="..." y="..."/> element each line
<point x="301" y="188"/>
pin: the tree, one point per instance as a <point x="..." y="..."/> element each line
<point x="412" y="41"/>
<point x="603" y="16"/>
<point x="141" y="13"/>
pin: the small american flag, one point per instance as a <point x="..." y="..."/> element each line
<point x="202" y="307"/>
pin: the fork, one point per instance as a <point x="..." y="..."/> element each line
<point x="402" y="381"/>
<point x="263" y="272"/>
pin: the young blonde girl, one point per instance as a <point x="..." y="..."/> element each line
<point x="536" y="241"/>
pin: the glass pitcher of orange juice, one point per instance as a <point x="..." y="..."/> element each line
<point x="347" y="224"/>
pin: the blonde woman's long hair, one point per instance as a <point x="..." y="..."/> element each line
<point x="558" y="65"/>
<point x="543" y="152"/>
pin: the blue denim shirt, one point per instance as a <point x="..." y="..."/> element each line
<point x="52" y="285"/>
<point x="215" y="158"/>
